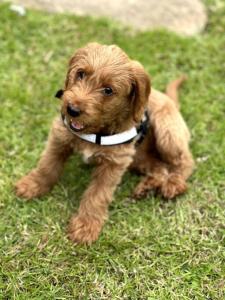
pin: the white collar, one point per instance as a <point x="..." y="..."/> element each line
<point x="106" y="140"/>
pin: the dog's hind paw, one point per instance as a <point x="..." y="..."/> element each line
<point x="147" y="184"/>
<point x="174" y="186"/>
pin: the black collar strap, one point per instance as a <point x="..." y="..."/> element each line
<point x="133" y="134"/>
<point x="143" y="127"/>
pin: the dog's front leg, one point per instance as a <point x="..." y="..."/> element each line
<point x="87" y="224"/>
<point x="42" y="178"/>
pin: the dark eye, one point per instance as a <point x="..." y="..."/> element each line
<point x="107" y="91"/>
<point x="80" y="75"/>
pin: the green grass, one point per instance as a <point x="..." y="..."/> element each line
<point x="148" y="250"/>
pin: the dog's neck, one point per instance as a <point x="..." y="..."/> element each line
<point x="117" y="127"/>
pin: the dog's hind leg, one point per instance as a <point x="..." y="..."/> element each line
<point x="168" y="178"/>
<point x="173" y="163"/>
<point x="153" y="179"/>
<point x="172" y="139"/>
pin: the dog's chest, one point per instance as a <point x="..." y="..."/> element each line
<point x="88" y="155"/>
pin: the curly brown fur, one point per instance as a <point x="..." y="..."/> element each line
<point x="163" y="157"/>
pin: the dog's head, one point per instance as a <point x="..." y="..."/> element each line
<point x="104" y="90"/>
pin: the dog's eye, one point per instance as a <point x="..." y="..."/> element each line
<point x="107" y="91"/>
<point x="80" y="75"/>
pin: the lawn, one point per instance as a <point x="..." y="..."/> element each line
<point x="152" y="249"/>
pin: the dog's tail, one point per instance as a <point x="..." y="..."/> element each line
<point x="172" y="89"/>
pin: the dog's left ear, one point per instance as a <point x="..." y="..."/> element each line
<point x="140" y="90"/>
<point x="59" y="94"/>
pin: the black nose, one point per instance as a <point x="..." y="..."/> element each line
<point x="73" y="111"/>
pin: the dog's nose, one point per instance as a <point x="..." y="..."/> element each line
<point x="73" y="111"/>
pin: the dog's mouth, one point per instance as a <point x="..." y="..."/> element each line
<point x="73" y="125"/>
<point x="76" y="126"/>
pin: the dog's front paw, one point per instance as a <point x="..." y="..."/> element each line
<point x="30" y="186"/>
<point x="84" y="229"/>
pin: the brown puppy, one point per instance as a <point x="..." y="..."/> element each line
<point x="107" y="93"/>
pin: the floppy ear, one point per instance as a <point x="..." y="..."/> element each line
<point x="140" y="90"/>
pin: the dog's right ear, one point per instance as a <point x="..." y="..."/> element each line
<point x="59" y="93"/>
